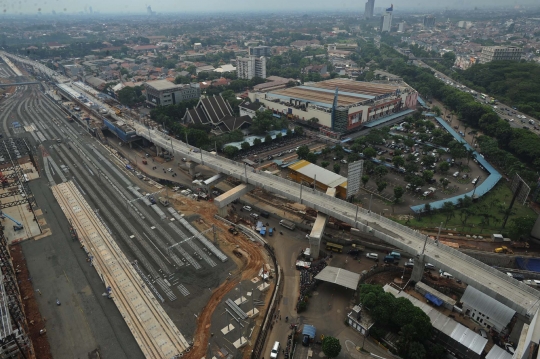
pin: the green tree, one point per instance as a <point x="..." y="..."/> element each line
<point x="398" y="161"/>
<point x="365" y="179"/>
<point x="245" y="145"/>
<point x="398" y="193"/>
<point x="416" y="351"/>
<point x="279" y="137"/>
<point x="444" y="167"/>
<point x="299" y="131"/>
<point x="381" y="171"/>
<point x="369" y="152"/>
<point x="381" y="186"/>
<point x="267" y="139"/>
<point x="311" y="157"/>
<point x="444" y="182"/>
<point x="337" y="168"/>
<point x="324" y="164"/>
<point x="521" y="227"/>
<point x="331" y="347"/>
<point x="230" y="151"/>
<point x="302" y="152"/>
<point x="289" y="133"/>
<point x="257" y="142"/>
<point x="427" y="175"/>
<point x="448" y="209"/>
<point x="436" y="110"/>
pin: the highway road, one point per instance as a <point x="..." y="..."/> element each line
<point x="516" y="295"/>
<point x="515" y="118"/>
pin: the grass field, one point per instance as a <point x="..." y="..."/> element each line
<point x="490" y="205"/>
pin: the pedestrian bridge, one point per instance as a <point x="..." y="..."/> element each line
<point x="516" y="295"/>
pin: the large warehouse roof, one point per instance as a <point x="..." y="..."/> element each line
<point x="444" y="324"/>
<point x="339" y="276"/>
<point x="324" y="176"/>
<point x="350" y="92"/>
<point x="492" y="308"/>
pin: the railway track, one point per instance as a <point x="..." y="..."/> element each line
<point x="152" y="328"/>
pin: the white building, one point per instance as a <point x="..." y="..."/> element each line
<point x="500" y="53"/>
<point x="250" y="67"/>
<point x="164" y="92"/>
<point x="485" y="310"/>
<point x="386" y="19"/>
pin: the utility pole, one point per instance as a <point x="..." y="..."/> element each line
<point x="516" y="192"/>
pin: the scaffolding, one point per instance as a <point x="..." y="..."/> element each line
<point x="14" y="341"/>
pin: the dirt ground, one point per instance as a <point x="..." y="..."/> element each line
<point x="35" y="321"/>
<point x="248" y="266"/>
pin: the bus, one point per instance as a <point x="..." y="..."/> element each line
<point x="334" y="247"/>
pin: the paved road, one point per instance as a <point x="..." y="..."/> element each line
<point x="513" y="117"/>
<point x="510" y="292"/>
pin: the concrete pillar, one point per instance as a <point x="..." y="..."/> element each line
<point x="222" y="212"/>
<point x="418" y="268"/>
<point x="131" y="145"/>
<point x="158" y="150"/>
<point x="315" y="246"/>
<point x="192" y="166"/>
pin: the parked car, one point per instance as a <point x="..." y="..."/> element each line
<point x="429" y="266"/>
<point x="372" y="255"/>
<point x="455" y="174"/>
<point x="254" y="215"/>
<point x="247" y="208"/>
<point x="409" y="263"/>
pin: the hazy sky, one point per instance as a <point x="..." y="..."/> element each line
<point x="164" y="6"/>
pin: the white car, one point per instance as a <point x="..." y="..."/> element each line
<point x="429" y="266"/>
<point x="247" y="208"/>
<point x="169" y="169"/>
<point x="372" y="255"/>
<point x="409" y="263"/>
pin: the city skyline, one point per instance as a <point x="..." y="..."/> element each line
<point x="211" y="6"/>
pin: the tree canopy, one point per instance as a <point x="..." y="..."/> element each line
<point x="331" y="347"/>
<point x="397" y="315"/>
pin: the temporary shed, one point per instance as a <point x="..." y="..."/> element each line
<point x="340" y="277"/>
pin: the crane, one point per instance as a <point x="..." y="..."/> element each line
<point x="17" y="227"/>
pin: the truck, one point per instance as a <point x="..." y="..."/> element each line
<point x="117" y="111"/>
<point x="287" y="224"/>
<point x="503" y="249"/>
<point x="356" y="249"/>
<point x="164" y="201"/>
